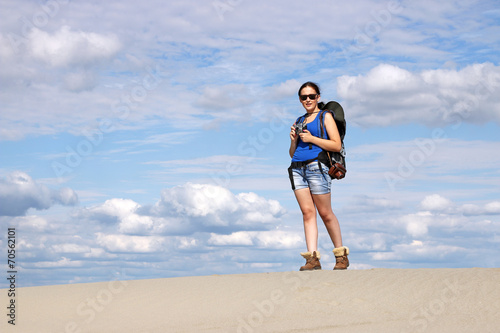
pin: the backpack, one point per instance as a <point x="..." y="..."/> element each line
<point x="331" y="158"/>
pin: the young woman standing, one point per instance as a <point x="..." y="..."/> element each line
<point x="310" y="180"/>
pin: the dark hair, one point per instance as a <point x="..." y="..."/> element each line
<point x="310" y="84"/>
<point x="313" y="85"/>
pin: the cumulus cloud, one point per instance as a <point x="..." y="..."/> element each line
<point x="66" y="47"/>
<point x="277" y="239"/>
<point x="491" y="208"/>
<point x="390" y="95"/>
<point x="418" y="251"/>
<point x="442" y="214"/>
<point x="273" y="239"/>
<point x="239" y="238"/>
<point x="365" y="203"/>
<point x="133" y="244"/>
<point x="65" y="56"/>
<point x="216" y="206"/>
<point x="28" y="223"/>
<point x="19" y="192"/>
<point x="187" y="209"/>
<point x="417" y="224"/>
<point x="62" y="263"/>
<point x="368" y="242"/>
<point x="125" y="213"/>
<point x="435" y="202"/>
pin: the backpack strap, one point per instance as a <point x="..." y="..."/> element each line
<point x="324" y="135"/>
<point x="321" y="124"/>
<point x="300" y="119"/>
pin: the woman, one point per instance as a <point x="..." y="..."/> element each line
<point x="309" y="177"/>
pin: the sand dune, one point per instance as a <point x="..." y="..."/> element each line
<point x="376" y="300"/>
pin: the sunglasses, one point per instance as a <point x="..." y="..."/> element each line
<point x="311" y="97"/>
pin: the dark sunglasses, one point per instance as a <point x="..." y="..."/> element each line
<point x="311" y="97"/>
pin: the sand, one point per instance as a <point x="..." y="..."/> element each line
<point x="375" y="300"/>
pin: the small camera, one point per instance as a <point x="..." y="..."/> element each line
<point x="299" y="128"/>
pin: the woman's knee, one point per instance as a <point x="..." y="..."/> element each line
<point x="326" y="215"/>
<point x="309" y="214"/>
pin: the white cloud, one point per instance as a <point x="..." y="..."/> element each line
<point x="217" y="207"/>
<point x="125" y="213"/>
<point x="435" y="202"/>
<point x="187" y="209"/>
<point x="216" y="63"/>
<point x="272" y="239"/>
<point x="70" y="248"/>
<point x="417" y="224"/>
<point x="240" y="238"/>
<point x="285" y="89"/>
<point x="443" y="215"/>
<point x="29" y="223"/>
<point x="392" y="166"/>
<point x="132" y="244"/>
<point x="62" y="263"/>
<point x="490" y="208"/>
<point x="197" y="200"/>
<point x="80" y="80"/>
<point x="98" y="253"/>
<point x="222" y="98"/>
<point x="367" y="242"/>
<point x="276" y="239"/>
<point x="66" y="47"/>
<point x="365" y="203"/>
<point x="19" y="192"/>
<point x="417" y="250"/>
<point x="390" y="95"/>
<point x="187" y="242"/>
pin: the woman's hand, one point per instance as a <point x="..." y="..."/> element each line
<point x="293" y="143"/>
<point x="293" y="135"/>
<point x="306" y="136"/>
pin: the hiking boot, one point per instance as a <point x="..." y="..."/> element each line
<point x="342" y="262"/>
<point x="312" y="261"/>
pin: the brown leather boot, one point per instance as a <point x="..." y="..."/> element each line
<point x="312" y="261"/>
<point x="341" y="254"/>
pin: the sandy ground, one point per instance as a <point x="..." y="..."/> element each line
<point x="376" y="300"/>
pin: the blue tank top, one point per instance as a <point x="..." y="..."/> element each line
<point x="305" y="151"/>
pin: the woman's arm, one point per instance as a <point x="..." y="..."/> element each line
<point x="333" y="143"/>
<point x="294" y="139"/>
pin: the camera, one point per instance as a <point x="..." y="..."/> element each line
<point x="299" y="128"/>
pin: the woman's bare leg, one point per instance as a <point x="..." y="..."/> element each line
<point x="324" y="205"/>
<point x="306" y="203"/>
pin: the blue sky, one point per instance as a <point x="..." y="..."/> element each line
<point x="150" y="139"/>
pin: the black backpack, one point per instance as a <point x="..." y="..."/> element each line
<point x="330" y="158"/>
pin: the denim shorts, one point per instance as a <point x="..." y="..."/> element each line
<point x="311" y="176"/>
